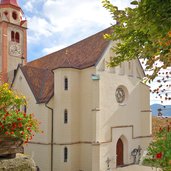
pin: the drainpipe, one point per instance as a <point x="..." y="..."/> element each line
<point x="51" y="136"/>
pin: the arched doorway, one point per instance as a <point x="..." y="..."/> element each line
<point x="119" y="153"/>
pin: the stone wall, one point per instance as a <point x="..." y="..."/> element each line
<point x="20" y="163"/>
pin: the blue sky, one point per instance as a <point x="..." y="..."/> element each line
<point x="55" y="24"/>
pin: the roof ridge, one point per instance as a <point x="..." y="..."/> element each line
<point x="65" y="48"/>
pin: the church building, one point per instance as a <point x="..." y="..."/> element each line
<point x="94" y="118"/>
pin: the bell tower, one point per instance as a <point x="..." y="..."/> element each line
<point x="13" y="38"/>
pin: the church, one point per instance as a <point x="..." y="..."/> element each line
<point x="94" y="118"/>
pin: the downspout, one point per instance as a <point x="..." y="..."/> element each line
<point x="51" y="136"/>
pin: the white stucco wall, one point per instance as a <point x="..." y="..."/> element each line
<point x="80" y="99"/>
<point x="39" y="147"/>
<point x="95" y="120"/>
<point x="125" y="120"/>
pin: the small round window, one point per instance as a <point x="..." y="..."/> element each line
<point x="121" y="94"/>
<point x="14" y="15"/>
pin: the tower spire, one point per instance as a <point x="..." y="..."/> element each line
<point x="13" y="38"/>
<point x="12" y="2"/>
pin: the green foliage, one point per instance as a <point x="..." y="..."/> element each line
<point x="143" y="32"/>
<point x="13" y="121"/>
<point x="159" y="151"/>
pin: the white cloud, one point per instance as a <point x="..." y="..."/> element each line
<point x="28" y="6"/>
<point x="67" y="14"/>
<point x="64" y="21"/>
<point x="64" y="16"/>
<point x="53" y="49"/>
<point x="40" y="26"/>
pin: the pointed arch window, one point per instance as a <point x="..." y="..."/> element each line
<point x="65" y="83"/>
<point x="17" y="37"/>
<point x="65" y="154"/>
<point x="65" y="116"/>
<point x="12" y="36"/>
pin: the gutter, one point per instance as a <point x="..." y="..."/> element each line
<point x="51" y="135"/>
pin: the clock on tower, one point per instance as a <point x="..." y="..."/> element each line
<point x="13" y="38"/>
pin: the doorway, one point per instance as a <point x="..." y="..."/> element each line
<point x="119" y="153"/>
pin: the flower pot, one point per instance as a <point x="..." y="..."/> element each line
<point x="9" y="146"/>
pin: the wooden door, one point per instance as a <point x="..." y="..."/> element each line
<point x="119" y="153"/>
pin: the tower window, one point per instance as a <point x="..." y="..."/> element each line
<point x="14" y="15"/>
<point x="65" y="116"/>
<point x="66" y="83"/>
<point x="6" y="13"/>
<point x="65" y="154"/>
<point x="17" y="37"/>
<point x="12" y="36"/>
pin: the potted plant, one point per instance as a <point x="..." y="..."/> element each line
<point x="16" y="126"/>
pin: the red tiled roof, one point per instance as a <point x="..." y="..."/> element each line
<point x="79" y="55"/>
<point x="41" y="82"/>
<point x="12" y="2"/>
<point x="83" y="54"/>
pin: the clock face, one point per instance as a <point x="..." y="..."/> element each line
<point x="15" y="49"/>
<point x="120" y="95"/>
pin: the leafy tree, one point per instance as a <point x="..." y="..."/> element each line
<point x="144" y="32"/>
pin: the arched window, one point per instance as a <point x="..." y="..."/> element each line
<point x="65" y="83"/>
<point x="17" y="37"/>
<point x="14" y="15"/>
<point x="12" y="36"/>
<point x="65" y="154"/>
<point x="65" y="116"/>
<point x="25" y="109"/>
<point x="130" y="68"/>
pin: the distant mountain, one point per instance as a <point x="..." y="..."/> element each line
<point x="164" y="109"/>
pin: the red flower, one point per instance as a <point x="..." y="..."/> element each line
<point x="6" y="133"/>
<point x="159" y="155"/>
<point x="19" y="119"/>
<point x="160" y="129"/>
<point x="20" y="125"/>
<point x="14" y="125"/>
